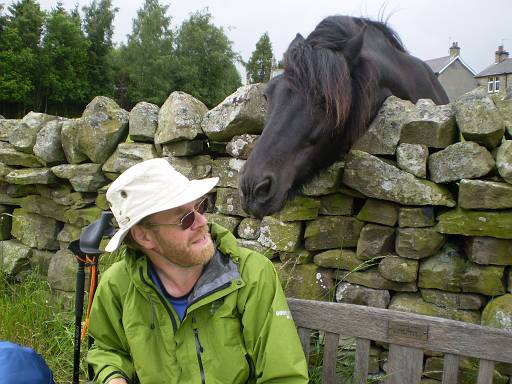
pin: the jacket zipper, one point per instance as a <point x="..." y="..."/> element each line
<point x="199" y="349"/>
<point x="162" y="299"/>
<point x="228" y="284"/>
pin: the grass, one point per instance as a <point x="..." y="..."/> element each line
<point x="345" y="361"/>
<point x="32" y="317"/>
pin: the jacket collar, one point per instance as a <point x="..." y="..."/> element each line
<point x="220" y="271"/>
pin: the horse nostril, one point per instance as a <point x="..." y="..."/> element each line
<point x="262" y="190"/>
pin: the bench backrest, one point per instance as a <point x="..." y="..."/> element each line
<point x="408" y="336"/>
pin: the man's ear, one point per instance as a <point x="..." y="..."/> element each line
<point x="142" y="236"/>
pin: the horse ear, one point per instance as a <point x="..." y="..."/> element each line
<point x="352" y="49"/>
<point x="297" y="40"/>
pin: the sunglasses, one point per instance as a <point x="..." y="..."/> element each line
<point x="188" y="219"/>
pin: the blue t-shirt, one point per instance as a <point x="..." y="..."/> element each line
<point x="179" y="304"/>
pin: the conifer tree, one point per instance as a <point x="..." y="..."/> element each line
<point x="259" y="66"/>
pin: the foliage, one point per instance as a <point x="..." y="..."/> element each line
<point x="345" y="362"/>
<point x="259" y="66"/>
<point x="20" y="52"/>
<point x="30" y="318"/>
<point x="205" y="60"/>
<point x="98" y="26"/>
<point x="144" y="64"/>
<point x="57" y="61"/>
<point x="64" y="57"/>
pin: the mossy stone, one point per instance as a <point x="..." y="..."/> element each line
<point x="279" y="236"/>
<point x="332" y="232"/>
<point x="379" y="211"/>
<point x="459" y="221"/>
<point x="305" y="281"/>
<point x="498" y="313"/>
<point x="412" y="302"/>
<point x="299" y="208"/>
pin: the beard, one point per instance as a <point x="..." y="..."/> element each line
<point x="187" y="255"/>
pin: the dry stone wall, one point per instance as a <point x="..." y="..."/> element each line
<point x="418" y="216"/>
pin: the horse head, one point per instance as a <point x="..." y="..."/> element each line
<point x="308" y="107"/>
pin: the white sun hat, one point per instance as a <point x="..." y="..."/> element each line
<point x="149" y="187"/>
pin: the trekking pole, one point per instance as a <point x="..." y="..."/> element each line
<point x="79" y="309"/>
<point x="86" y="250"/>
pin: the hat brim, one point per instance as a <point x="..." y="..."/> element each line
<point x="194" y="190"/>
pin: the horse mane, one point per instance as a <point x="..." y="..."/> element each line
<point x="317" y="68"/>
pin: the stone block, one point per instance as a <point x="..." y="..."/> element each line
<point x="179" y="118"/>
<point x="378" y="179"/>
<point x="228" y="222"/>
<point x="452" y="300"/>
<point x="371" y="278"/>
<point x="249" y="229"/>
<point x="242" y="112"/>
<point x="278" y="235"/>
<point x="241" y="146"/>
<point x="127" y="155"/>
<point x="465" y="160"/>
<point x="357" y="294"/>
<point x="184" y="148"/>
<point x="412" y="302"/>
<point x="383" y="134"/>
<point x="412" y="158"/>
<point x="431" y="125"/>
<point x="305" y="281"/>
<point x="459" y="221"/>
<point x="14" y="257"/>
<point x="478" y="119"/>
<point x="143" y="121"/>
<point x="228" y="202"/>
<point x="62" y="271"/>
<point x="34" y="230"/>
<point x="228" y="171"/>
<point x="340" y="259"/>
<point x="28" y="176"/>
<point x="418" y="243"/>
<point x="332" y="232"/>
<point x="299" y="208"/>
<point x="416" y="217"/>
<point x="379" y="211"/>
<point x="103" y="126"/>
<point x="488" y="250"/>
<point x="375" y="240"/>
<point x="399" y="269"/>
<point x="336" y="205"/>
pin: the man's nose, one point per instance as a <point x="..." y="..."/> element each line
<point x="200" y="220"/>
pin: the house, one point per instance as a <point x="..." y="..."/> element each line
<point x="497" y="76"/>
<point x="453" y="73"/>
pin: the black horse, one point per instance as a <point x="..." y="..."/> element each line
<point x="333" y="85"/>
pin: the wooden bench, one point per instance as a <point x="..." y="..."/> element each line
<point x="407" y="334"/>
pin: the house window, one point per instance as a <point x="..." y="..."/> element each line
<point x="493" y="85"/>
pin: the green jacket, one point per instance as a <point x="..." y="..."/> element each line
<point x="237" y="328"/>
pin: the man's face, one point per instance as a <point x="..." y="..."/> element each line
<point x="185" y="248"/>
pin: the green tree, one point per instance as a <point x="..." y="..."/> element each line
<point x="144" y="64"/>
<point x="65" y="56"/>
<point x="205" y="60"/>
<point x="98" y="26"/>
<point x="20" y="53"/>
<point x="259" y="66"/>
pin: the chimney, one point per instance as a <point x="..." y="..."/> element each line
<point x="454" y="49"/>
<point x="500" y="55"/>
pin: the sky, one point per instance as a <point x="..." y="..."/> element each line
<point x="427" y="27"/>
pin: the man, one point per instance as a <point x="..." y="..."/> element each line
<point x="186" y="304"/>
